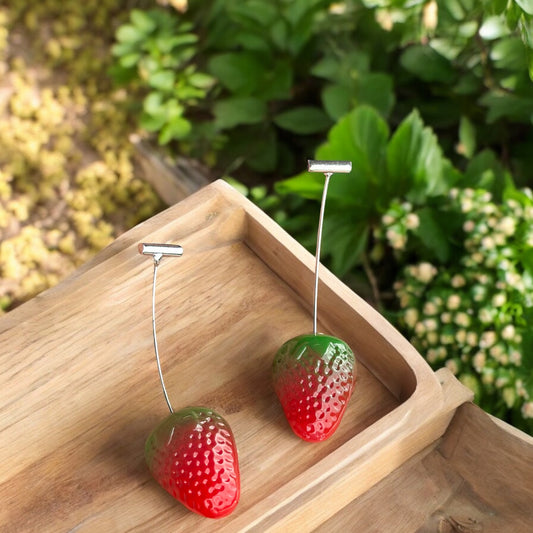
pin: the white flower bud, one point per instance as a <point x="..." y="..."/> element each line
<point x="452" y="366"/>
<point x="515" y="357"/>
<point x="412" y="221"/>
<point x="469" y="226"/>
<point x="388" y="219"/>
<point x="472" y="338"/>
<point x="527" y="410"/>
<point x="462" y="319"/>
<point x="508" y="332"/>
<point x="420" y="329"/>
<point x="479" y="361"/>
<point x="487" y="243"/>
<point x="432" y="337"/>
<point x="426" y="272"/>
<point x="446" y="317"/>
<point x="466" y="205"/>
<point x="453" y="302"/>
<point x="430" y="309"/>
<point x="478" y="257"/>
<point x="499" y="299"/>
<point x="431" y="324"/>
<point x="458" y="281"/>
<point x="411" y="317"/>
<point x="431" y="356"/>
<point x="488" y="338"/>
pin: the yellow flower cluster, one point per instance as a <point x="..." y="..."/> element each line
<point x="67" y="180"/>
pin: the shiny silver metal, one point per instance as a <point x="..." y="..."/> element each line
<point x="158" y="251"/>
<point x="328" y="168"/>
<point x="331" y="167"/>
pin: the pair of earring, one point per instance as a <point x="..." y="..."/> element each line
<point x="192" y="453"/>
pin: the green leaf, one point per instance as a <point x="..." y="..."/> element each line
<point x="276" y="82"/>
<point x="493" y="28"/>
<point x="235" y="111"/>
<point x="167" y="44"/>
<point x="526" y="5"/>
<point x="525" y="24"/>
<point x="376" y="89"/>
<point x="239" y="72"/>
<point x="432" y="234"/>
<point x="153" y="103"/>
<point x="129" y="60"/>
<point x="415" y="161"/>
<point x="303" y="120"/>
<point x="360" y="137"/>
<point x="467" y="137"/>
<point x="427" y="64"/>
<point x="327" y="68"/>
<point x="512" y="106"/>
<point x="337" y="100"/>
<point x="253" y="13"/>
<point x="484" y="171"/>
<point x="497" y="7"/>
<point x="200" y="80"/>
<point x="152" y="122"/>
<point x="178" y="128"/>
<point x="122" y="49"/>
<point x="129" y="34"/>
<point x="143" y="21"/>
<point x="279" y="32"/>
<point x="256" y="145"/>
<point x="162" y="80"/>
<point x="262" y="153"/>
<point x="509" y="54"/>
<point x="307" y="185"/>
<point x="344" y="240"/>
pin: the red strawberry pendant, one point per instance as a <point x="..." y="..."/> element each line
<point x="314" y="376"/>
<point x="193" y="456"/>
<point x="192" y="453"/>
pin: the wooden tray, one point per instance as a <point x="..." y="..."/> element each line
<point x="80" y="391"/>
<point x="477" y="478"/>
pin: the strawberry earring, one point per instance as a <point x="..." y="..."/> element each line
<point x="192" y="453"/>
<point x="314" y="374"/>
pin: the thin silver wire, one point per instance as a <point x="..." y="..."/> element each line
<point x="157" y="260"/>
<point x="318" y="246"/>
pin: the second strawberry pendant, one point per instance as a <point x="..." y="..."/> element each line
<point x="314" y="374"/>
<point x="192" y="453"/>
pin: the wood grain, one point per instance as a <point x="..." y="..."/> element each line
<point x="80" y="391"/>
<point x="477" y="478"/>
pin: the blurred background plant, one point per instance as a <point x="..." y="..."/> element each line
<point x="67" y="180"/>
<point x="432" y="101"/>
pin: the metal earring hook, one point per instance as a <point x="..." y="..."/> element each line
<point x="328" y="168"/>
<point x="158" y="251"/>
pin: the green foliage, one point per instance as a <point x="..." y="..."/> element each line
<point x="409" y="163"/>
<point x="471" y="312"/>
<point x="424" y="97"/>
<point x="261" y="108"/>
<point x="158" y="49"/>
<point x="464" y="65"/>
<point x="68" y="185"/>
<point x="259" y="82"/>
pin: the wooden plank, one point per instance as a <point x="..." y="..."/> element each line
<point x="477" y="478"/>
<point x="80" y="390"/>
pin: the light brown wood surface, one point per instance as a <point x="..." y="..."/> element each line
<point x="80" y="391"/>
<point x="477" y="478"/>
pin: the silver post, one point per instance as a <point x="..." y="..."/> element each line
<point x="158" y="251"/>
<point x="328" y="168"/>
